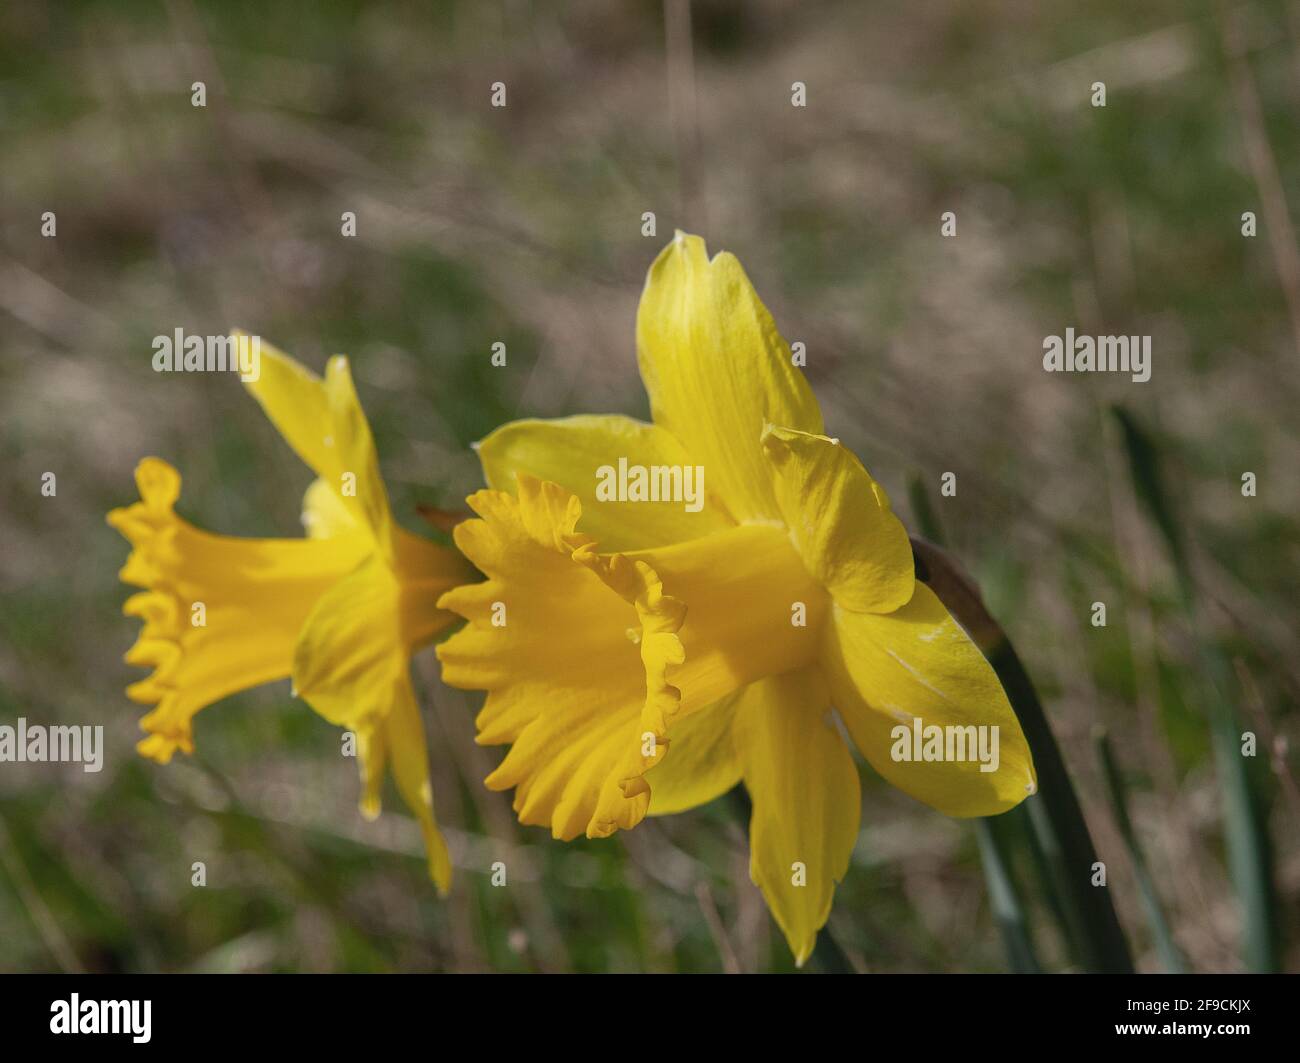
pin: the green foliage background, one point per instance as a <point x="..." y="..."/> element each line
<point x="523" y="225"/>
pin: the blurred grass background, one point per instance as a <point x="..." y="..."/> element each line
<point x="523" y="225"/>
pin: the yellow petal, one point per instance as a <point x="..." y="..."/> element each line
<point x="584" y="452"/>
<point x="323" y="422"/>
<point x="753" y="609"/>
<point x="717" y="370"/>
<point x="357" y="640"/>
<point x="409" y="759"/>
<point x="841" y="521"/>
<point x="323" y="513"/>
<point x="350" y="650"/>
<point x="582" y="653"/>
<point x="704" y="764"/>
<point x="804" y="787"/>
<point x="886" y="670"/>
<point x="372" y="759"/>
<point x="351" y="664"/>
<point x="255" y="595"/>
<point x="396" y="740"/>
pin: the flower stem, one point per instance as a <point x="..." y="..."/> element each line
<point x="1004" y="893"/>
<point x="1100" y="941"/>
<point x="1092" y="924"/>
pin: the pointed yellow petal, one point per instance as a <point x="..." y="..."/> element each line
<point x="372" y="759"/>
<point x="221" y="614"/>
<point x="886" y="670"/>
<point x="717" y="370"/>
<point x="293" y="398"/>
<point x="323" y="422"/>
<point x="351" y="664"/>
<point x="583" y="454"/>
<point x="355" y="461"/>
<point x="410" y="764"/>
<point x="804" y="787"/>
<point x="396" y="740"/>
<point x="841" y="521"/>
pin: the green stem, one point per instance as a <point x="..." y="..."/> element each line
<point x="1101" y="942"/>
<point x="1092" y="924"/>
<point x="1004" y="894"/>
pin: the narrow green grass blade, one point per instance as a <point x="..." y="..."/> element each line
<point x="1116" y="790"/>
<point x="1030" y="834"/>
<point x="1245" y="813"/>
<point x="927" y="520"/>
<point x="1148" y="483"/>
<point x="1005" y="900"/>
<point x="1245" y="818"/>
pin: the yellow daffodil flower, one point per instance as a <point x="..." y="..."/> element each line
<point x="339" y="611"/>
<point x="689" y="638"/>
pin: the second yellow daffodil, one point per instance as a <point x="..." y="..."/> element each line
<point x="339" y="612"/>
